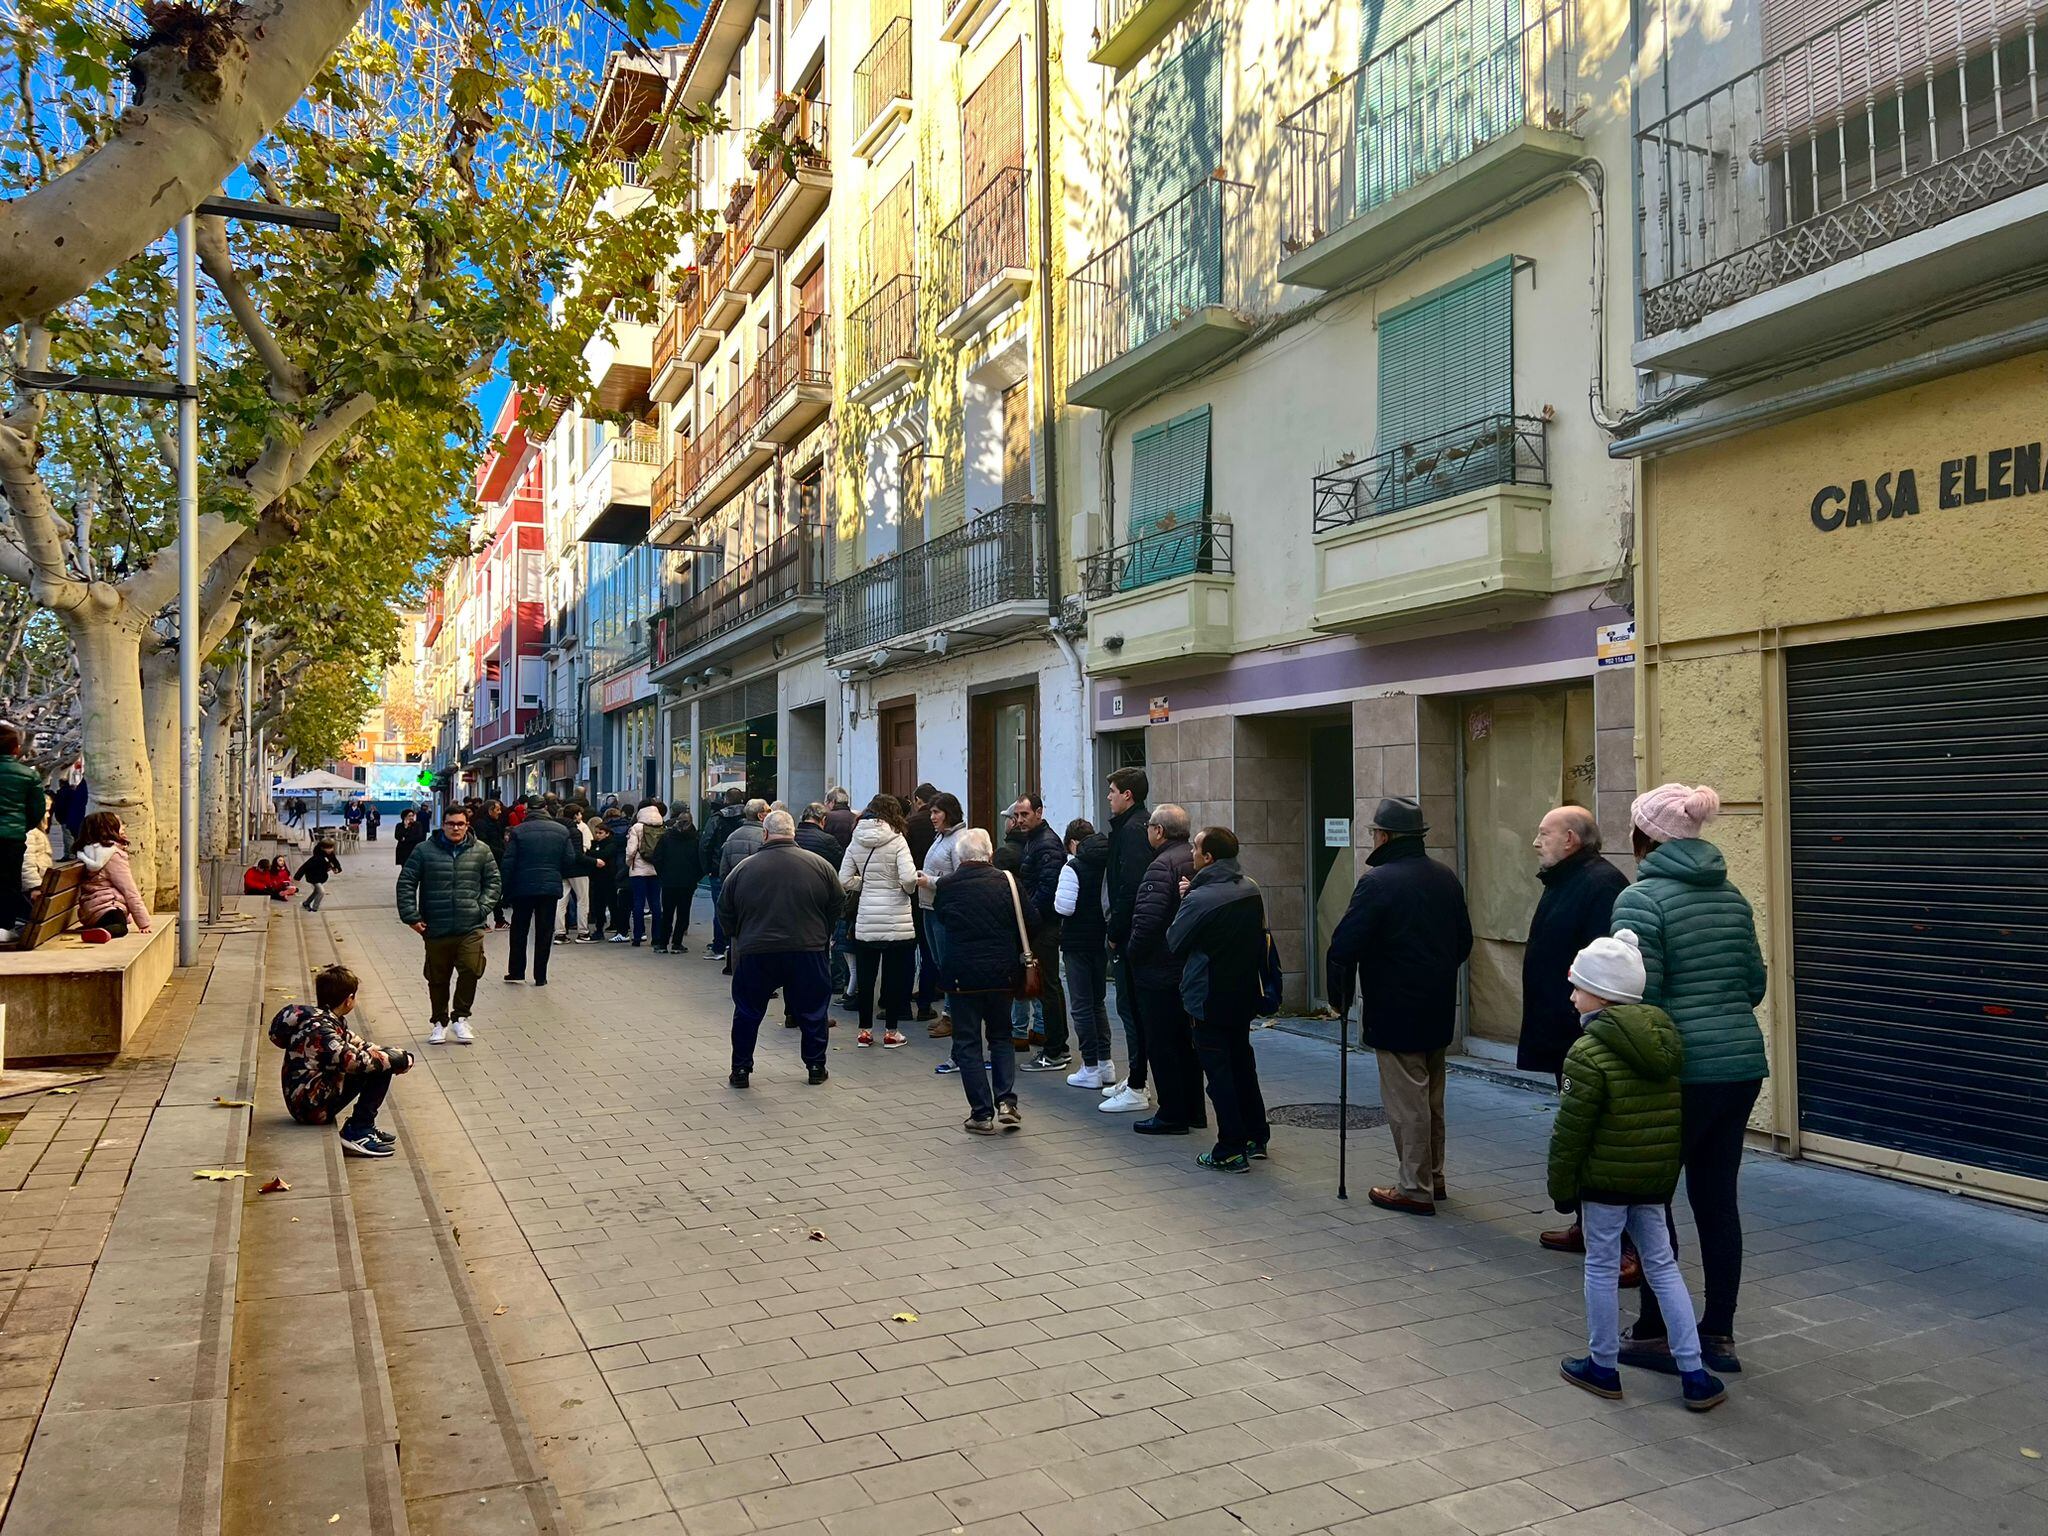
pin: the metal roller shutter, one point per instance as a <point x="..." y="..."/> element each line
<point x="1919" y="813"/>
<point x="1447" y="360"/>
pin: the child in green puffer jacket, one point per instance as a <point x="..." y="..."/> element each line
<point x="1614" y="1158"/>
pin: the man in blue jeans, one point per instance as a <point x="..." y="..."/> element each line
<point x="778" y="906"/>
<point x="974" y="929"/>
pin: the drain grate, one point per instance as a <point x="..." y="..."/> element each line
<point x="1323" y="1117"/>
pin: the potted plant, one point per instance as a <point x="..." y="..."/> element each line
<point x="786" y="108"/>
<point x="736" y="203"/>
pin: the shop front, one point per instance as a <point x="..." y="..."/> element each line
<point x="1846" y="633"/>
<point x="737" y="744"/>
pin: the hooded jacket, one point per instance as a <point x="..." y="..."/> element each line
<point x="319" y="866"/>
<point x="1219" y="938"/>
<point x="450" y="887"/>
<point x="22" y="801"/>
<point x="1078" y="897"/>
<point x="109" y="884"/>
<point x="1701" y="963"/>
<point x="1130" y="855"/>
<point x="540" y="853"/>
<point x="1152" y="913"/>
<point x="1616" y="1139"/>
<point x="745" y="839"/>
<point x="681" y="857"/>
<point x="320" y="1054"/>
<point x="781" y="899"/>
<point x="1576" y="908"/>
<point x="724" y="822"/>
<point x="638" y="864"/>
<point x="878" y="865"/>
<point x="1408" y="930"/>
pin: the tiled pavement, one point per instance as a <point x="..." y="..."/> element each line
<point x="1108" y="1339"/>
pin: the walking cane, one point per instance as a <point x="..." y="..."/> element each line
<point x="1343" y="1099"/>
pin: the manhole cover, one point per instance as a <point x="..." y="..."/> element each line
<point x="1324" y="1117"/>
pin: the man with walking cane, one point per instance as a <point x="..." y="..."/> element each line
<point x="1398" y="950"/>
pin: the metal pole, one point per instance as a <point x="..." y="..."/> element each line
<point x="188" y="599"/>
<point x="248" y="738"/>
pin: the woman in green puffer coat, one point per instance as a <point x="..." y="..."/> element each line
<point x="1703" y="967"/>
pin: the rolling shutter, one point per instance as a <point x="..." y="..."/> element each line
<point x="1433" y="99"/>
<point x="1919" y="817"/>
<point x="1169" y="499"/>
<point x="1176" y="260"/>
<point x="992" y="125"/>
<point x="1447" y="362"/>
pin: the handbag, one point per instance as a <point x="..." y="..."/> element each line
<point x="1034" y="976"/>
<point x="849" y="904"/>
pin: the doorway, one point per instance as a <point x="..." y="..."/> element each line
<point x="1002" y="753"/>
<point x="896" y="740"/>
<point x="1332" y="864"/>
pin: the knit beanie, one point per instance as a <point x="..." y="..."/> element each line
<point x="1673" y="812"/>
<point x="1611" y="968"/>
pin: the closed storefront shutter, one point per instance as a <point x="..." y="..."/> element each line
<point x="1169" y="499"/>
<point x="1447" y="364"/>
<point x="1919" y="816"/>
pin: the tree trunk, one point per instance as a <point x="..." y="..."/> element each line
<point x="218" y="789"/>
<point x="115" y="730"/>
<point x="160" y="720"/>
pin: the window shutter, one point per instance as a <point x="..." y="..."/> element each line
<point x="1169" y="499"/>
<point x="1821" y="55"/>
<point x="1447" y="361"/>
<point x="992" y="125"/>
<point x="891" y="252"/>
<point x="1016" y="444"/>
<point x="1176" y="263"/>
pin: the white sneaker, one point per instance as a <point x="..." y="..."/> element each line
<point x="462" y="1032"/>
<point x="1125" y="1101"/>
<point x="438" y="1035"/>
<point x="1088" y="1077"/>
<point x="8" y="935"/>
<point x="1114" y="1087"/>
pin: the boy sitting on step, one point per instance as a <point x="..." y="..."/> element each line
<point x="1614" y="1159"/>
<point x="327" y="1066"/>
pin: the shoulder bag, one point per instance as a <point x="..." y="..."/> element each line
<point x="1034" y="977"/>
<point x="850" y="903"/>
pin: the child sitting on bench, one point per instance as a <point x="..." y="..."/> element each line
<point x="108" y="900"/>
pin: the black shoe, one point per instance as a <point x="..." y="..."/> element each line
<point x="850" y="1004"/>
<point x="818" y="1075"/>
<point x="1256" y="1151"/>
<point x="738" y="1079"/>
<point x="679" y="949"/>
<point x="540" y="981"/>
<point x="515" y="981"/>
<point x="1644" y="1353"/>
<point x="927" y="1015"/>
<point x="789" y="1024"/>
<point x="1154" y="1126"/>
<point x="1718" y="1351"/>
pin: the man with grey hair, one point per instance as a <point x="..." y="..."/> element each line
<point x="746" y="838"/>
<point x="811" y="834"/>
<point x="979" y="955"/>
<point x="1155" y="978"/>
<point x="1577" y="907"/>
<point x="778" y="906"/>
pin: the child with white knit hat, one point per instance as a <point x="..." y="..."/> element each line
<point x="1614" y="1158"/>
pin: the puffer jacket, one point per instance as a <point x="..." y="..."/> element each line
<point x="638" y="863"/>
<point x="1219" y="938"/>
<point x="1152" y="913"/>
<point x="320" y="1054"/>
<point x="974" y="931"/>
<point x="1043" y="855"/>
<point x="1616" y="1139"/>
<point x="449" y="887"/>
<point x="940" y="860"/>
<point x="35" y="859"/>
<point x="878" y="865"/>
<point x="746" y="838"/>
<point x="22" y="801"/>
<point x="1701" y="962"/>
<point x="109" y="884"/>
<point x="540" y="853"/>
<point x="1078" y="897"/>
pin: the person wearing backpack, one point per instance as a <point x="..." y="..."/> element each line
<point x="1219" y="937"/>
<point x="643" y="844"/>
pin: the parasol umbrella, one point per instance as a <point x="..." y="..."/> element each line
<point x="316" y="783"/>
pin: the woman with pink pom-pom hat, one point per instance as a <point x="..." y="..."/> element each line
<point x="1703" y="966"/>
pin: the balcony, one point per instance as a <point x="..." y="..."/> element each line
<point x="1162" y="598"/>
<point x="796" y="380"/>
<point x="667" y="373"/>
<point x="962" y="19"/>
<point x="984" y="256"/>
<point x="620" y="358"/>
<point x="722" y="299"/>
<point x="753" y="261"/>
<point x="716" y="463"/>
<point x="882" y="341"/>
<point x="661" y="498"/>
<point x="881" y="88"/>
<point x="1442" y="525"/>
<point x="1475" y="105"/>
<point x="1160" y="302"/>
<point x="1865" y="174"/>
<point x="796" y="183"/>
<point x="778" y="590"/>
<point x="623" y="480"/>
<point x="992" y="577"/>
<point x="696" y="341"/>
<point x="1125" y="29"/>
<point x="549" y="731"/>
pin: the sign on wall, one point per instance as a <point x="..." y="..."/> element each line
<point x="1161" y="711"/>
<point x="1997" y="474"/>
<point x="1614" y="645"/>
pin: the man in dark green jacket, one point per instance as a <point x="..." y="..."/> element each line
<point x="1614" y="1156"/>
<point x="22" y="805"/>
<point x="445" y="894"/>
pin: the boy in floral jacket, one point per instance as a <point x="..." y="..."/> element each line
<point x="327" y="1066"/>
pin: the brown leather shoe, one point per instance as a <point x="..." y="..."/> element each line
<point x="1571" y="1239"/>
<point x="1442" y="1190"/>
<point x="1388" y="1198"/>
<point x="943" y="1030"/>
<point x="1037" y="1038"/>
<point x="1631" y="1270"/>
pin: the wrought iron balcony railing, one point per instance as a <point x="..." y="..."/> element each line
<point x="1493" y="450"/>
<point x="1890" y="121"/>
<point x="722" y="437"/>
<point x="549" y="729"/>
<point x="883" y="75"/>
<point x="1176" y="262"/>
<point x="883" y="330"/>
<point x="1470" y="74"/>
<point x="991" y="234"/>
<point x="802" y="354"/>
<point x="1000" y="557"/>
<point x="792" y="566"/>
<point x="1201" y="549"/>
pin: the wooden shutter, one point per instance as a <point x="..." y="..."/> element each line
<point x="810" y="291"/>
<point x="1823" y="54"/>
<point x="891" y="246"/>
<point x="1017" y="443"/>
<point x="910" y="497"/>
<point x="992" y="125"/>
<point x="1447" y="361"/>
<point x="1169" y="499"/>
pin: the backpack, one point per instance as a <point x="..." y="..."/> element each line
<point x="651" y="835"/>
<point x="1269" y="980"/>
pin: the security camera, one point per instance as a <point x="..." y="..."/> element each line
<point x="1112" y="642"/>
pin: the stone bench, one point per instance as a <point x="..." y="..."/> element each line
<point x="67" y="998"/>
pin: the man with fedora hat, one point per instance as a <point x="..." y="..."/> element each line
<point x="1398" y="948"/>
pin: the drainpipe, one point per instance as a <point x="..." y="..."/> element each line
<point x="1048" y="410"/>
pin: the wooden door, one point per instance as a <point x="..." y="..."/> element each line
<point x="897" y="734"/>
<point x="1002" y="755"/>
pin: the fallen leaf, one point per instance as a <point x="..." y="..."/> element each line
<point x="334" y="1519"/>
<point x="220" y="1175"/>
<point x="274" y="1187"/>
<point x="235" y="1103"/>
<point x="2030" y="1453"/>
<point x="904" y="1317"/>
<point x="817" y="1237"/>
<point x="498" y="1311"/>
<point x="63" y="1090"/>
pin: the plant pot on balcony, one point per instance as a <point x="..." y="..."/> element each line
<point x="708" y="249"/>
<point x="758" y="155"/>
<point x="686" y="285"/>
<point x="786" y="109"/>
<point x="735" y="205"/>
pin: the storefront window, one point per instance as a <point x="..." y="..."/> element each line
<point x="738" y="754"/>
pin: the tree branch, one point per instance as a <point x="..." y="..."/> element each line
<point x="287" y="378"/>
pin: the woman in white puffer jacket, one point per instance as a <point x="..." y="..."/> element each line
<point x="878" y="865"/>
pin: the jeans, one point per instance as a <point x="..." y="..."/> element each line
<point x="578" y="910"/>
<point x="842" y="966"/>
<point x="537" y="913"/>
<point x="366" y="1091"/>
<point x="313" y="898"/>
<point x="1045" y="944"/>
<point x="1088" y="998"/>
<point x="719" y="937"/>
<point x="1022" y="1012"/>
<point x="1224" y="1047"/>
<point x="979" y="1016"/>
<point x="1169" y="1043"/>
<point x="1412" y="1092"/>
<point x="646" y="904"/>
<point x="892" y="961"/>
<point x="801" y="977"/>
<point x="1127" y="1010"/>
<point x="672" y="922"/>
<point x="1603" y="1226"/>
<point x="928" y="988"/>
<point x="1716" y="1114"/>
<point x="460" y="955"/>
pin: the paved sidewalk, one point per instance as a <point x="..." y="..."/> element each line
<point x="1110" y="1340"/>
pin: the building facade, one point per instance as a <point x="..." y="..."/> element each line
<point x="502" y="622"/>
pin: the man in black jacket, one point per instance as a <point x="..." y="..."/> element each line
<point x="1408" y="929"/>
<point x="723" y="823"/>
<point x="1219" y="936"/>
<point x="778" y="907"/>
<point x="1042" y="856"/>
<point x="920" y="832"/>
<point x="812" y="836"/>
<point x="541" y="853"/>
<point x="1155" y="978"/>
<point x="974" y="936"/>
<point x="1130" y="851"/>
<point x="839" y="824"/>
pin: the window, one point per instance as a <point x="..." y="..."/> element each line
<point x="1176" y="259"/>
<point x="1169" y="500"/>
<point x="910" y="496"/>
<point x="1447" y="388"/>
<point x="992" y="124"/>
<point x="891" y="240"/>
<point x="1017" y="443"/>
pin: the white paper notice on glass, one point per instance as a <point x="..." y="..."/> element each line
<point x="1336" y="831"/>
